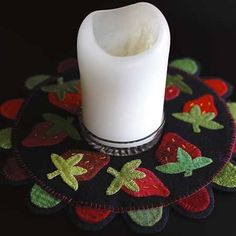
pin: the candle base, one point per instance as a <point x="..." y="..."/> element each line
<point x="127" y="148"/>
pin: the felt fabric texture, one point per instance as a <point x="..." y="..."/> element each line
<point x="178" y="186"/>
<point x="198" y="206"/>
<point x="41" y="198"/>
<point x="86" y="219"/>
<point x="67" y="169"/>
<point x="188" y="65"/>
<point x="156" y="221"/>
<point x="10" y="108"/>
<point x="5" y="138"/>
<point x="226" y="179"/>
<point x="34" y="81"/>
<point x="47" y="198"/>
<point x="219" y="85"/>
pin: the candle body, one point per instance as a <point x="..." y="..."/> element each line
<point x="123" y="57"/>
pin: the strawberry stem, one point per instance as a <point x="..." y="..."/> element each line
<point x="113" y="172"/>
<point x="53" y="174"/>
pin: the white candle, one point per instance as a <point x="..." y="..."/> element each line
<point x="123" y="57"/>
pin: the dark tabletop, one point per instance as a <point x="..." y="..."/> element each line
<point x="34" y="37"/>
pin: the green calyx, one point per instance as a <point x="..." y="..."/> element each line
<point x="125" y="177"/>
<point x="186" y="64"/>
<point x="198" y="119"/>
<point x="67" y="169"/>
<point x="185" y="164"/>
<point x="177" y="80"/>
<point x="61" y="124"/>
<point x="61" y="88"/>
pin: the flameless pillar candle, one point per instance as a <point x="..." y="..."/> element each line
<point x="123" y="57"/>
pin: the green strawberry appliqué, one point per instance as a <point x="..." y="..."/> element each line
<point x="5" y="138"/>
<point x="227" y="177"/>
<point x="186" y="64"/>
<point x="41" y="198"/>
<point x="146" y="218"/>
<point x="232" y="109"/>
<point x="67" y="169"/>
<point x="185" y="164"/>
<point x="198" y="119"/>
<point x="125" y="177"/>
<point x="61" y="124"/>
<point x="35" y="80"/>
<point x="61" y="88"/>
<point x="177" y="81"/>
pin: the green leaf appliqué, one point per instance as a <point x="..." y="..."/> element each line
<point x="227" y="177"/>
<point x="185" y="164"/>
<point x="67" y="169"/>
<point x="41" y="198"/>
<point x="61" y="124"/>
<point x="146" y="218"/>
<point x="177" y="80"/>
<point x="232" y="109"/>
<point x="198" y="119"/>
<point x="61" y="88"/>
<point x="186" y="64"/>
<point x="5" y="138"/>
<point x="35" y="80"/>
<point x="125" y="177"/>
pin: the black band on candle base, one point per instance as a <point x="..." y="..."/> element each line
<point x="129" y="148"/>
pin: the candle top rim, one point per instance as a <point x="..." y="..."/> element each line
<point x="163" y="31"/>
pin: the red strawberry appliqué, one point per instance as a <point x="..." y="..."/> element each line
<point x="38" y="137"/>
<point x="10" y="108"/>
<point x="70" y="103"/>
<point x="205" y="102"/>
<point x="93" y="162"/>
<point x="167" y="150"/>
<point x="217" y="84"/>
<point x="171" y="92"/>
<point x="150" y="185"/>
<point x="13" y="172"/>
<point x="53" y="131"/>
<point x="198" y="202"/>
<point x="90" y="215"/>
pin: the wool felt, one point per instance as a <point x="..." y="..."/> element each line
<point x="205" y="103"/>
<point x="13" y="172"/>
<point x="215" y="84"/>
<point x="34" y="81"/>
<point x="184" y="164"/>
<point x="198" y="119"/>
<point x="198" y="205"/>
<point x="90" y="215"/>
<point x="227" y="178"/>
<point x="186" y="64"/>
<point x="146" y="218"/>
<point x="138" y="226"/>
<point x="10" y="108"/>
<point x="40" y="202"/>
<point x="5" y="138"/>
<point x="81" y="220"/>
<point x="178" y="186"/>
<point x="67" y="170"/>
<point x="41" y="198"/>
